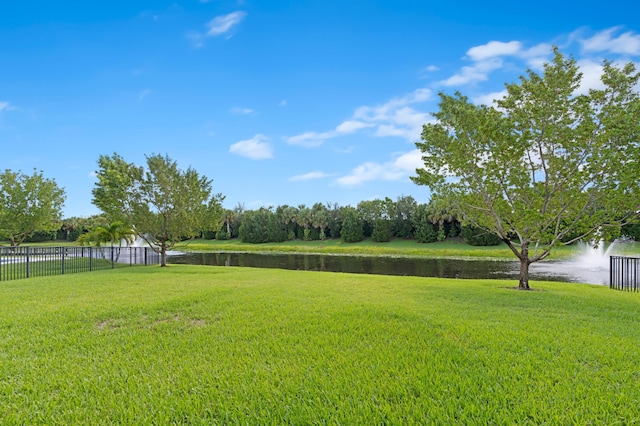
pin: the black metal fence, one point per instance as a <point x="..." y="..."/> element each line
<point x="25" y="262"/>
<point x="624" y="273"/>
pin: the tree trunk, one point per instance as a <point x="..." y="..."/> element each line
<point x="523" y="283"/>
<point x="163" y="255"/>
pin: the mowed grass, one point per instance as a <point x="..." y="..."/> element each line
<point x="215" y="345"/>
<point x="447" y="249"/>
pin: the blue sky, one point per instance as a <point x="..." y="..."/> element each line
<point x="279" y="102"/>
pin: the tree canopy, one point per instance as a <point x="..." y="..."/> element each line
<point x="163" y="203"/>
<point x="551" y="163"/>
<point x="28" y="204"/>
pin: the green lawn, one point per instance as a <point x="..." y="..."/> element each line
<point x="215" y="345"/>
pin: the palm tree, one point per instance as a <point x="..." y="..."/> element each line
<point x="116" y="231"/>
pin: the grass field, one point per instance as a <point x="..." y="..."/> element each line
<point x="215" y="345"/>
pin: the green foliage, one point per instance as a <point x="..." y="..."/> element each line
<point x="163" y="203"/>
<point x="424" y="229"/>
<point x="112" y="234"/>
<point x="403" y="210"/>
<point x="262" y="226"/>
<point x="479" y="237"/>
<point x="208" y="345"/>
<point x="382" y="231"/>
<point x="222" y="235"/>
<point x="40" y="236"/>
<point x="28" y="204"/>
<point x="351" y="231"/>
<point x="631" y="230"/>
<point x="547" y="163"/>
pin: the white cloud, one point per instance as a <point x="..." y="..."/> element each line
<point x="313" y="139"/>
<point x="537" y="55"/>
<point x="431" y="68"/>
<point x="310" y="176"/>
<point x="220" y="25"/>
<point x="489" y="98"/>
<point x="5" y="106"/>
<point x="350" y="126"/>
<point x="309" y="139"/>
<point x="626" y="43"/>
<point x="399" y="168"/>
<point x="591" y="73"/>
<point x="477" y="72"/>
<point x="256" y="148"/>
<point x="494" y="49"/>
<point x="239" y="110"/>
<point x="393" y="118"/>
<point x="224" y="23"/>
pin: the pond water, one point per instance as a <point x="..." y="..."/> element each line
<point x="413" y="266"/>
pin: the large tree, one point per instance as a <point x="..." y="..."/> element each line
<point x="28" y="204"/>
<point x="551" y="164"/>
<point x="163" y="203"/>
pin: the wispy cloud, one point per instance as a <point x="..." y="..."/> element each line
<point x="489" y="57"/>
<point x="393" y="118"/>
<point x="494" y="49"/>
<point x="6" y="106"/>
<point x="223" y="24"/>
<point x="401" y="167"/>
<point x="310" y="176"/>
<point x="626" y="43"/>
<point x="489" y="98"/>
<point x="242" y="111"/>
<point x="313" y="139"/>
<point x="256" y="148"/>
<point x="143" y="94"/>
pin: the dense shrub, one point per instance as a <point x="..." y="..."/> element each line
<point x="262" y="226"/>
<point x="351" y="231"/>
<point x="424" y="230"/>
<point x="222" y="235"/>
<point x="479" y="237"/>
<point x="40" y="236"/>
<point x="208" y="235"/>
<point x="382" y="231"/>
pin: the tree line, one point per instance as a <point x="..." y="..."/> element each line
<point x="23" y="219"/>
<point x="548" y="164"/>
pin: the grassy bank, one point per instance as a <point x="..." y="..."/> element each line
<point x="207" y="345"/>
<point x="445" y="249"/>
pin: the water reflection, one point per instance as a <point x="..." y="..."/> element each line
<point x="423" y="267"/>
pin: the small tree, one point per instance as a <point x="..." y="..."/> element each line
<point x="382" y="231"/>
<point x="549" y="162"/>
<point x="116" y="232"/>
<point x="424" y="230"/>
<point x="351" y="231"/>
<point x="163" y="203"/>
<point x="28" y="204"/>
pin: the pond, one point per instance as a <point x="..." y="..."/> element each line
<point x="411" y="266"/>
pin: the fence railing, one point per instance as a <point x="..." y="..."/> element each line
<point x="25" y="262"/>
<point x="624" y="273"/>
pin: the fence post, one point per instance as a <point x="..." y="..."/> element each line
<point x="90" y="259"/>
<point x="64" y="252"/>
<point x="112" y="257"/>
<point x="27" y="263"/>
<point x="145" y="256"/>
